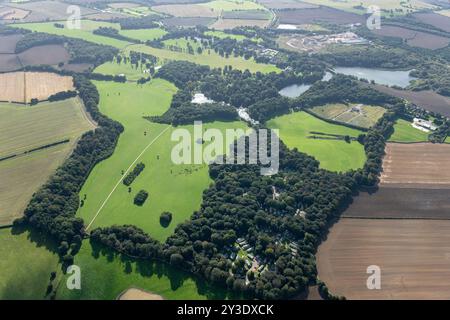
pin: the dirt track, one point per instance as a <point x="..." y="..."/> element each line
<point x="414" y="257"/>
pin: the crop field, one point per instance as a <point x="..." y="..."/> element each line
<point x="228" y="24"/>
<point x="186" y="10"/>
<point x="47" y="11"/>
<point x="211" y="59"/>
<point x="9" y="62"/>
<point x="23" y="128"/>
<point x="188" y="22"/>
<point x="417" y="164"/>
<point x="445" y="13"/>
<point x="8" y="43"/>
<point x="26" y="265"/>
<point x="388" y="7"/>
<point x="334" y="155"/>
<point x="436" y="20"/>
<point x="429" y="100"/>
<point x="392" y="202"/>
<point x="405" y="132"/>
<point x="412" y="255"/>
<point x="354" y="114"/>
<point x="99" y="264"/>
<point x="248" y="14"/>
<point x="210" y="9"/>
<point x="317" y="15"/>
<point x="51" y="54"/>
<point x="413" y="38"/>
<point x="85" y="33"/>
<point x="10" y="14"/>
<point x="286" y="4"/>
<point x="174" y="188"/>
<point x="24" y="86"/>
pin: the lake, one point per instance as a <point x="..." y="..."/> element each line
<point x="385" y="77"/>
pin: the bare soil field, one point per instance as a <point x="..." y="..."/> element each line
<point x="428" y="100"/>
<point x="436" y="20"/>
<point x="401" y="203"/>
<point x="413" y="256"/>
<point x="416" y="165"/>
<point x="48" y="10"/>
<point x="138" y="294"/>
<point x="188" y="22"/>
<point x="23" y="128"/>
<point x="414" y="38"/>
<point x="185" y="10"/>
<point x="225" y="24"/>
<point x="321" y="14"/>
<point x="9" y="62"/>
<point x="49" y="54"/>
<point x="24" y="86"/>
<point x="8" y="43"/>
<point x="286" y="4"/>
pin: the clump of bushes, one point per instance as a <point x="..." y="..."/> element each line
<point x="133" y="174"/>
<point x="165" y="219"/>
<point x="140" y="198"/>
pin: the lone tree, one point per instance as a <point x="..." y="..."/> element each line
<point x="165" y="219"/>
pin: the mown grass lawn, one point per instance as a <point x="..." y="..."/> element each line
<point x="171" y="187"/>
<point x="405" y="132"/>
<point x="105" y="274"/>
<point x="85" y="33"/>
<point x="144" y="34"/>
<point x="333" y="155"/>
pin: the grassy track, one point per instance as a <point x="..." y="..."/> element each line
<point x="175" y="188"/>
<point x="333" y="155"/>
<point x="405" y="132"/>
<point x="25" y="264"/>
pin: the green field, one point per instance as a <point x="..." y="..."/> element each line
<point x="223" y="35"/>
<point x="23" y="128"/>
<point x="174" y="188"/>
<point x="385" y="5"/>
<point x="405" y="132"/>
<point x="25" y="265"/>
<point x="355" y="114"/>
<point x="211" y="59"/>
<point x="85" y="33"/>
<point x="144" y="34"/>
<point x="333" y="155"/>
<point x="105" y="274"/>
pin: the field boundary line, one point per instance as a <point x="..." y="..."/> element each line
<point x="125" y="173"/>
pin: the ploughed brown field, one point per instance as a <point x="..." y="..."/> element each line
<point x="423" y="165"/>
<point x="403" y="227"/>
<point x="414" y="38"/>
<point x="321" y="14"/>
<point x="8" y="43"/>
<point x="24" y="86"/>
<point x="414" y="257"/>
<point x="429" y="100"/>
